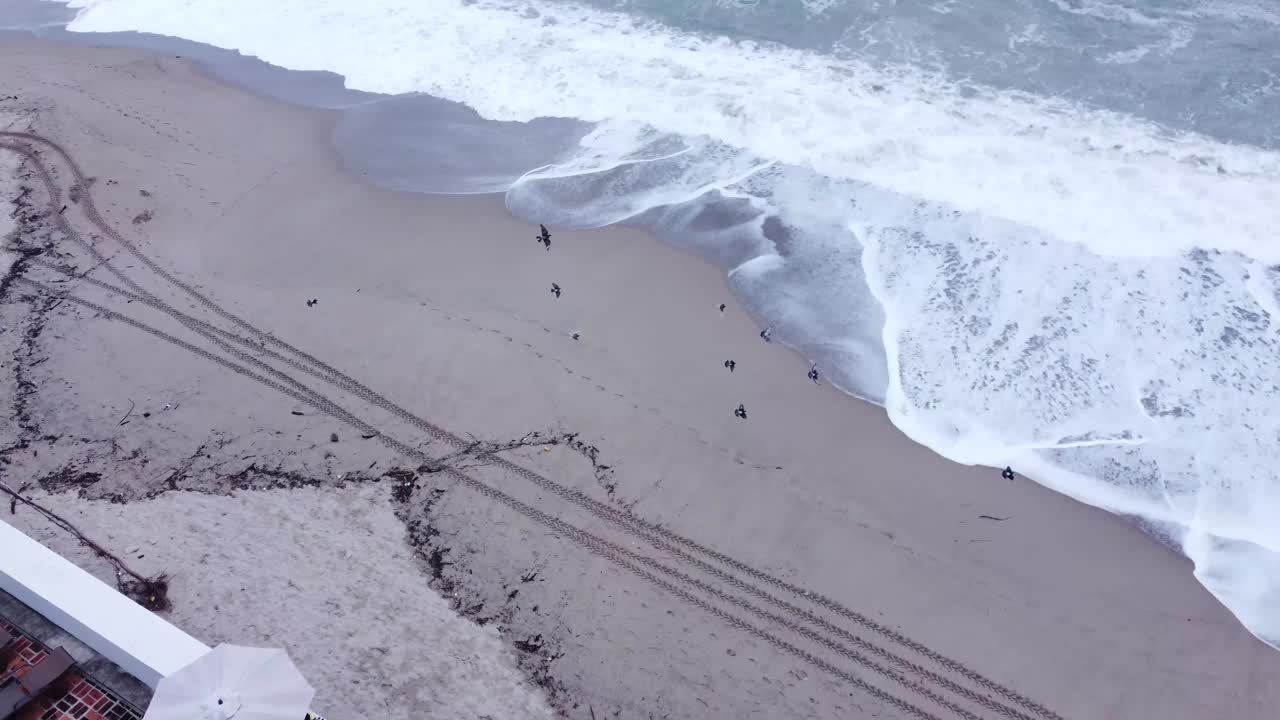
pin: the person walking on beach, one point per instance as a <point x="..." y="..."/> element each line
<point x="555" y="290"/>
<point x="767" y="334"/>
<point x="543" y="237"/>
<point x="813" y="374"/>
<point x="730" y="364"/>
<point x="740" y="412"/>
<point x="1007" y="473"/>
<point x="722" y="306"/>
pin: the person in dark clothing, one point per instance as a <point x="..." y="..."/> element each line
<point x="543" y="237"/>
<point x="722" y="306"/>
<point x="813" y="373"/>
<point x="1007" y="473"/>
<point x="740" y="411"/>
<point x="555" y="290"/>
<point x="730" y="364"/>
<point x="767" y="334"/>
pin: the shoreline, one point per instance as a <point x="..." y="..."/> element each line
<point x="775" y="490"/>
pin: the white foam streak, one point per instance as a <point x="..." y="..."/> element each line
<point x="1264" y="294"/>
<point x="1242" y="11"/>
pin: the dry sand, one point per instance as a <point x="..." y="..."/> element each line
<point x="324" y="573"/>
<point x="444" y="305"/>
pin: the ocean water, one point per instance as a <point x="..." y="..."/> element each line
<point x="1043" y="233"/>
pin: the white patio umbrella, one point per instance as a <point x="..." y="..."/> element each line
<point x="232" y="682"/>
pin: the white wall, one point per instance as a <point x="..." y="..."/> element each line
<point x="116" y="627"/>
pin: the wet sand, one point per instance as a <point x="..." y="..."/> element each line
<point x="444" y="305"/>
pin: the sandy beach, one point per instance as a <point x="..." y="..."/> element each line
<point x="866" y="576"/>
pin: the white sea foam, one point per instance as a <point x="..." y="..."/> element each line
<point x="1113" y="12"/>
<point x="1146" y="386"/>
<point x="1077" y="292"/>
<point x="1247" y="11"/>
<point x="1109" y="182"/>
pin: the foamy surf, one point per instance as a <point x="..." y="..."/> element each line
<point x="1083" y="293"/>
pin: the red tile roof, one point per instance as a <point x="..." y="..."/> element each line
<point x="75" y="696"/>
